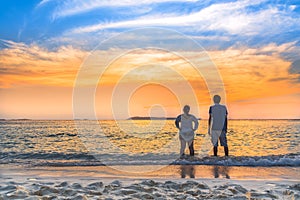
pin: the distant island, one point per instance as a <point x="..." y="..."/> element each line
<point x="22" y="119"/>
<point x="151" y="118"/>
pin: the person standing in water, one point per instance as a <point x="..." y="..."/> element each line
<point x="184" y="123"/>
<point x="217" y="125"/>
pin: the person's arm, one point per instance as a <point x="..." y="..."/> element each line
<point x="225" y="125"/>
<point x="209" y="121"/>
<point x="226" y="121"/>
<point x="196" y="123"/>
<point x="178" y="119"/>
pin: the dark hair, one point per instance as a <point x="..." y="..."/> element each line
<point x="217" y="99"/>
<point x="187" y="107"/>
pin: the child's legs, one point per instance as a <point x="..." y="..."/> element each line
<point x="191" y="148"/>
<point x="182" y="145"/>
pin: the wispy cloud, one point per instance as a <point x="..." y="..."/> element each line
<point x="231" y="17"/>
<point x="74" y="7"/>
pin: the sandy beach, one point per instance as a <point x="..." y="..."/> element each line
<point x="103" y="182"/>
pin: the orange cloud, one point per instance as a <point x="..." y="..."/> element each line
<point x="32" y="65"/>
<point x="254" y="79"/>
<point x="251" y="73"/>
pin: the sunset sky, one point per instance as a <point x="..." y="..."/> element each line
<point x="254" y="45"/>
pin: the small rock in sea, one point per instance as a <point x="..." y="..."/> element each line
<point x="135" y="187"/>
<point x="193" y="183"/>
<point x="68" y="192"/>
<point x="116" y="183"/>
<point x="146" y="196"/>
<point x="233" y="191"/>
<point x="169" y="182"/>
<point x="185" y="186"/>
<point x="202" y="186"/>
<point x="180" y="190"/>
<point x="45" y="190"/>
<point x="127" y="191"/>
<point x="157" y="195"/>
<point x="63" y="184"/>
<point x="95" y="185"/>
<point x="76" y="186"/>
<point x="111" y="187"/>
<point x="240" y="189"/>
<point x="149" y="183"/>
<point x="91" y="192"/>
<point x="172" y="185"/>
<point x="193" y="192"/>
<point x="221" y="187"/>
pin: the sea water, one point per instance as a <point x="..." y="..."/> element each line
<point x="144" y="142"/>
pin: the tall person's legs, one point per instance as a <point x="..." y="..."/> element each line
<point x="226" y="151"/>
<point x="215" y="135"/>
<point x="215" y="150"/>
<point x="223" y="141"/>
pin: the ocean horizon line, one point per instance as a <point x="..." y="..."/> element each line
<point x="131" y="118"/>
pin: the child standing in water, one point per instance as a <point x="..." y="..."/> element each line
<point x="186" y="130"/>
<point x="217" y="125"/>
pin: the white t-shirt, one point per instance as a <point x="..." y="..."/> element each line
<point x="218" y="114"/>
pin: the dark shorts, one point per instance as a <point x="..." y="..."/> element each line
<point x="223" y="140"/>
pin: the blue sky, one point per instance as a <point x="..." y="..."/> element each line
<point x="214" y="24"/>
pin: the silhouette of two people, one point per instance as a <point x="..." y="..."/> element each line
<point x="187" y="124"/>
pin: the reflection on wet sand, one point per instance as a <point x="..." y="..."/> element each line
<point x="187" y="170"/>
<point x="221" y="170"/>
